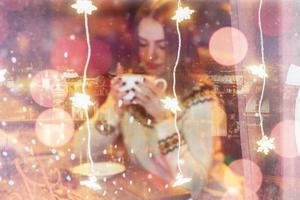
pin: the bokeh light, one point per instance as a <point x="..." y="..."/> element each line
<point x="244" y="175"/>
<point x="285" y="139"/>
<point x="54" y="127"/>
<point x="101" y="58"/>
<point x="48" y="88"/>
<point x="69" y="53"/>
<point x="228" y="46"/>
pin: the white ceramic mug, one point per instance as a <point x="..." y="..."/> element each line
<point x="130" y="84"/>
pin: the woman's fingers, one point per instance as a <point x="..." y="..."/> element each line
<point x="141" y="97"/>
<point x="154" y="88"/>
<point x="149" y="89"/>
<point x="119" y="71"/>
<point x="116" y="84"/>
<point x="146" y="91"/>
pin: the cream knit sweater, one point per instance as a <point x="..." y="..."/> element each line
<point x="202" y="117"/>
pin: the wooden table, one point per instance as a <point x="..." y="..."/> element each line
<point x="43" y="182"/>
<point x="137" y="183"/>
<point x="33" y="180"/>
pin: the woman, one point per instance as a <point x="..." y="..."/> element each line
<point x="146" y="126"/>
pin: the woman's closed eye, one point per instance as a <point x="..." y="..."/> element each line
<point x="143" y="44"/>
<point x="162" y="45"/>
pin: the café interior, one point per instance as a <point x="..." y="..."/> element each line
<point x="60" y="65"/>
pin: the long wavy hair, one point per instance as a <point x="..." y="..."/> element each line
<point x="163" y="11"/>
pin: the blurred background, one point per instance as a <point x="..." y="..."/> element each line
<point x="38" y="35"/>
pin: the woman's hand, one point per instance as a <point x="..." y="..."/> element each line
<point x="150" y="97"/>
<point x="115" y="92"/>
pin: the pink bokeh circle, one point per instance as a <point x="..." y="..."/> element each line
<point x="285" y="139"/>
<point x="247" y="174"/>
<point x="54" y="128"/>
<point x="101" y="58"/>
<point x="68" y="53"/>
<point x="48" y="88"/>
<point x="228" y="46"/>
<point x="71" y="53"/>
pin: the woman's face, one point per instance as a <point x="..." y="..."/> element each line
<point x="152" y="46"/>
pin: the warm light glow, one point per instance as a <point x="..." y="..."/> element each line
<point x="48" y="88"/>
<point x="2" y="75"/>
<point x="183" y="13"/>
<point x="46" y="83"/>
<point x="84" y="7"/>
<point x="171" y="104"/>
<point x="180" y="180"/>
<point x="81" y="100"/>
<point x="54" y="128"/>
<point x="285" y="138"/>
<point x="228" y="46"/>
<point x="242" y="175"/>
<point x="91" y="183"/>
<point x="265" y="145"/>
<point x="257" y="70"/>
<point x="233" y="190"/>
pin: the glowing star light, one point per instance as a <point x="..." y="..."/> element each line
<point x="265" y="145"/>
<point x="84" y="7"/>
<point x="180" y="180"/>
<point x="81" y="100"/>
<point x="171" y="104"/>
<point x="257" y="70"/>
<point x="183" y="13"/>
<point x="2" y="75"/>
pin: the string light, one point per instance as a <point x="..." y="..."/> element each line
<point x="258" y="70"/>
<point x="265" y="144"/>
<point x="180" y="180"/>
<point x="81" y="100"/>
<point x="86" y="7"/>
<point x="183" y="13"/>
<point x="171" y="104"/>
<point x="2" y="75"/>
<point x="180" y="15"/>
<point x="91" y="183"/>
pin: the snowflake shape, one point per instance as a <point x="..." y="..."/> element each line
<point x="183" y="13"/>
<point x="258" y="70"/>
<point x="180" y="180"/>
<point x="265" y="145"/>
<point x="81" y="100"/>
<point x="84" y="7"/>
<point x="2" y="75"/>
<point x="171" y="104"/>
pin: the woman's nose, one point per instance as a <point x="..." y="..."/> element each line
<point x="151" y="53"/>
